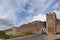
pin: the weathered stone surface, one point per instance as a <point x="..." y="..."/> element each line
<point x="58" y="25"/>
<point x="30" y="28"/>
<point x="50" y="23"/>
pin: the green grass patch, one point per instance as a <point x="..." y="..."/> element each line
<point x="4" y="36"/>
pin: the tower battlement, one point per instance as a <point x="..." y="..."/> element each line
<point x="51" y="14"/>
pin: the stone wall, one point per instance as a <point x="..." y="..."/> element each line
<point x="33" y="28"/>
<point x="12" y="31"/>
<point x="50" y="22"/>
<point x="58" y="26"/>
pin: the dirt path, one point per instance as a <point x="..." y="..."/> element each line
<point x="38" y="37"/>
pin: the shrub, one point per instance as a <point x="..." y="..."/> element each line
<point x="58" y="39"/>
<point x="58" y="33"/>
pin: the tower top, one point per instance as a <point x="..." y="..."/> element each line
<point x="51" y="13"/>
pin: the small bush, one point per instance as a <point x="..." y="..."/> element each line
<point x="58" y="39"/>
<point x="58" y="33"/>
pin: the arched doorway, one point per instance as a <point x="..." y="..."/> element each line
<point x="44" y="30"/>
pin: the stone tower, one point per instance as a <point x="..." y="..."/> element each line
<point x="51" y="23"/>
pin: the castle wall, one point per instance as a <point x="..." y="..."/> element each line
<point x="8" y="32"/>
<point x="33" y="28"/>
<point x="58" y="26"/>
<point x="51" y="22"/>
<point x="12" y="31"/>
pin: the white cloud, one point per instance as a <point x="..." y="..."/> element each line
<point x="39" y="17"/>
<point x="56" y="5"/>
<point x="4" y="27"/>
<point x="30" y="11"/>
<point x="19" y="4"/>
<point x="8" y="11"/>
<point x="2" y="17"/>
<point x="57" y="13"/>
<point x="40" y="4"/>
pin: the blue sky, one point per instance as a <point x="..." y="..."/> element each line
<point x="18" y="12"/>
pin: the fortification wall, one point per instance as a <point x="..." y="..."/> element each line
<point x="58" y="26"/>
<point x="12" y="31"/>
<point x="33" y="28"/>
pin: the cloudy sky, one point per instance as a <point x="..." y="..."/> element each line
<point x="18" y="12"/>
